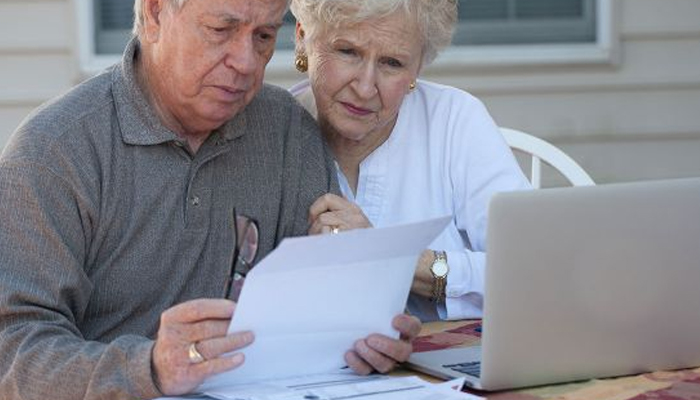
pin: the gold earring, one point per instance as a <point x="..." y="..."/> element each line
<point x="301" y="62"/>
<point x="412" y="85"/>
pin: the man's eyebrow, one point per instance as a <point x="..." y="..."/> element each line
<point x="276" y="25"/>
<point x="235" y="20"/>
<point x="229" y="19"/>
<point x="222" y="17"/>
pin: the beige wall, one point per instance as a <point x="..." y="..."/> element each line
<point x="37" y="56"/>
<point x="639" y="119"/>
<point x="635" y="118"/>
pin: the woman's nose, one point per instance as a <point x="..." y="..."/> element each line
<point x="366" y="82"/>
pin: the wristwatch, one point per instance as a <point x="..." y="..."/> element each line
<point x="439" y="270"/>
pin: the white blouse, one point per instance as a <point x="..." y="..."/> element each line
<point x="445" y="156"/>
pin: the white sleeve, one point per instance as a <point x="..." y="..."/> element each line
<point x="465" y="285"/>
<point x="480" y="165"/>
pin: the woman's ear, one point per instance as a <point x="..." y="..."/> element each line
<point x="301" y="59"/>
<point x="299" y="33"/>
<point x="152" y="10"/>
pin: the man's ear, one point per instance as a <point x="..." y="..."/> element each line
<point x="152" y="12"/>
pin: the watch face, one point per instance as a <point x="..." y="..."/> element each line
<point x="439" y="268"/>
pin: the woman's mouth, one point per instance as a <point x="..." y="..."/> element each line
<point x="355" y="110"/>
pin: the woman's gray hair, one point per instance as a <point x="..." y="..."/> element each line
<point x="138" y="14"/>
<point x="436" y="19"/>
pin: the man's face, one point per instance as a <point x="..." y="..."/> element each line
<point x="208" y="58"/>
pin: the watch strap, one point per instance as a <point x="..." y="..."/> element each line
<point x="439" y="281"/>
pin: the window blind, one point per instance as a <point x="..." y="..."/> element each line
<point x="481" y="22"/>
<point x="496" y="22"/>
<point x="113" y="22"/>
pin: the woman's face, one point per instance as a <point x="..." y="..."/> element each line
<point x="360" y="74"/>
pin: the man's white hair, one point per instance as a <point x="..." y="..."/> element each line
<point x="435" y="19"/>
<point x="138" y="13"/>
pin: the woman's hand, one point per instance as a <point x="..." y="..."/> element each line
<point x="381" y="353"/>
<point x="203" y="324"/>
<point x="330" y="211"/>
<point x="423" y="279"/>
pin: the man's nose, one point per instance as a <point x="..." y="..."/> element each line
<point x="242" y="56"/>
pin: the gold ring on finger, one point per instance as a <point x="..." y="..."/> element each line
<point x="194" y="355"/>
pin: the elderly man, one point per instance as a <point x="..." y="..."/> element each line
<point x="118" y="200"/>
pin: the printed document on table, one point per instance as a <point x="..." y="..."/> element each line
<point x="343" y="386"/>
<point x="373" y="387"/>
<point x="311" y="298"/>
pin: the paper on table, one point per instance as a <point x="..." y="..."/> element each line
<point x="337" y="386"/>
<point x="345" y="386"/>
<point x="311" y="298"/>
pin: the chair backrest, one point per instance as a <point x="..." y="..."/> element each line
<point x="541" y="150"/>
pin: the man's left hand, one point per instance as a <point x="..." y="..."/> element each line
<point x="381" y="353"/>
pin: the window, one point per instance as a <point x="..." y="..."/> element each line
<point x="497" y="22"/>
<point x="508" y="31"/>
<point x="113" y="22"/>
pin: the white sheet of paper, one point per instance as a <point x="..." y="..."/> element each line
<point x="311" y="298"/>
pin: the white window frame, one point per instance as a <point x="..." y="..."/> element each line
<point x="603" y="51"/>
<point x="90" y="62"/>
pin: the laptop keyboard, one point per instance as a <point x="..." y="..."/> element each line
<point x="472" y="368"/>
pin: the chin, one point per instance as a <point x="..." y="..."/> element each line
<point x="354" y="136"/>
<point x="353" y="133"/>
<point x="220" y="115"/>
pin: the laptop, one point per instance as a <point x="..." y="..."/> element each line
<point x="585" y="282"/>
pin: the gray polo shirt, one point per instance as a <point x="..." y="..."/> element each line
<point x="107" y="220"/>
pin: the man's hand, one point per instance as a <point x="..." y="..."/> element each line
<point x="381" y="353"/>
<point x="330" y="211"/>
<point x="202" y="322"/>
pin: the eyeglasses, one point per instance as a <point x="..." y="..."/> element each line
<point x="247" y="239"/>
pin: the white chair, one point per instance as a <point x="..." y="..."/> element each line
<point x="541" y="150"/>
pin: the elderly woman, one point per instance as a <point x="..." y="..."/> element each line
<point x="406" y="149"/>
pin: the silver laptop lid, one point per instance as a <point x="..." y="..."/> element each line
<point x="592" y="282"/>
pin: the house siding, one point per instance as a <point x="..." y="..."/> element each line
<point x="635" y="117"/>
<point x="37" y="57"/>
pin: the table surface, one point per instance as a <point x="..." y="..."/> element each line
<point x="660" y="385"/>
